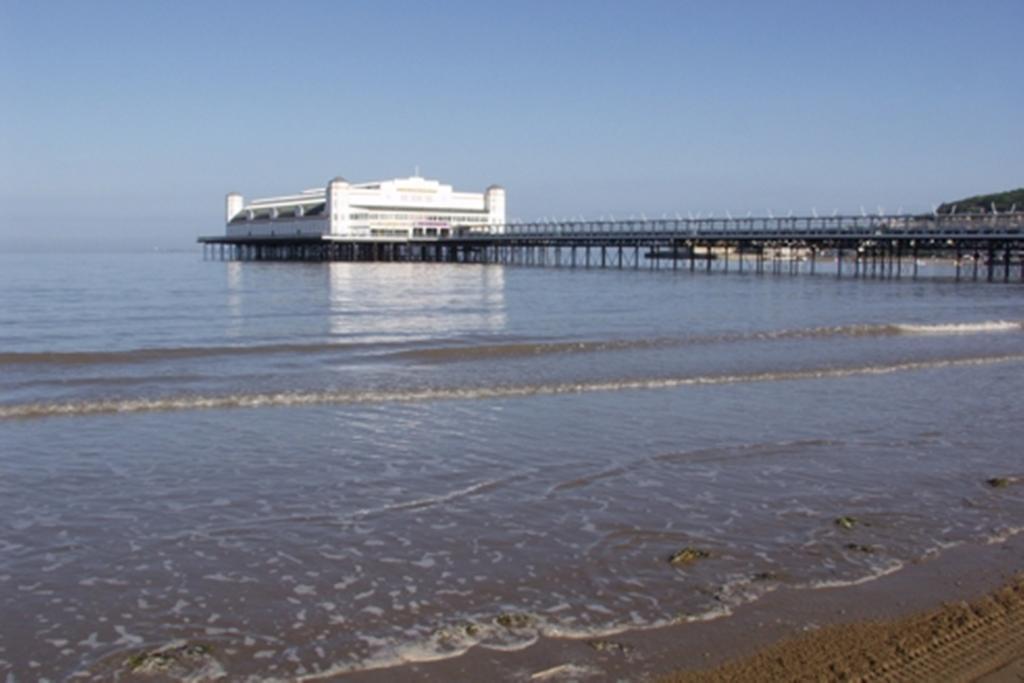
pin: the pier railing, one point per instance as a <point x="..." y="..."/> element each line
<point x="900" y="225"/>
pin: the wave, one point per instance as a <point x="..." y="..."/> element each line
<point x="890" y="567"/>
<point x="146" y="355"/>
<point x="442" y="354"/>
<point x="1003" y="535"/>
<point x="429" y="501"/>
<point x="296" y="398"/>
<point x="962" y="328"/>
<point x="712" y="454"/>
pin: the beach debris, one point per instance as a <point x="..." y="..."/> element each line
<point x="860" y="548"/>
<point x="514" y="620"/>
<point x="688" y="555"/>
<point x="1000" y="482"/>
<point x="847" y="522"/>
<point x="457" y="633"/>
<point x="175" y="659"/>
<point x="150" y="662"/>
<point x="611" y="647"/>
<point x="765" y="576"/>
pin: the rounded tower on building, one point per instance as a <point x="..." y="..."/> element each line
<point x="233" y="204"/>
<point x="494" y="203"/>
<point x="336" y="205"/>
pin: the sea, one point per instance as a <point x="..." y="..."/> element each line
<point x="293" y="471"/>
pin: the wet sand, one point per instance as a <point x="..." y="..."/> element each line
<point x="959" y="616"/>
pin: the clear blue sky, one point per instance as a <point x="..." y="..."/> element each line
<point x="128" y="121"/>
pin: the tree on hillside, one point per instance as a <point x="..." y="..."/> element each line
<point x="1012" y="200"/>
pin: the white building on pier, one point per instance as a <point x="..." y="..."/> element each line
<point x="398" y="209"/>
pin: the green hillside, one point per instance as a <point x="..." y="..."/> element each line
<point x="1004" y="201"/>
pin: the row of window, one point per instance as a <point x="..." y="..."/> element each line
<point x="460" y="218"/>
<point x="416" y="232"/>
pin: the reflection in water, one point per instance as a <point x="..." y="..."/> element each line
<point x="235" y="290"/>
<point x="363" y="302"/>
<point x="404" y="301"/>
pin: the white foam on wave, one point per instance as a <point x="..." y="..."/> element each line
<point x="569" y="632"/>
<point x="940" y="547"/>
<point x="884" y="570"/>
<point x="987" y="326"/>
<point x="457" y="639"/>
<point x="292" y="399"/>
<point x="428" y="501"/>
<point x="1003" y="535"/>
<point x="712" y="614"/>
<point x="455" y="644"/>
<point x="567" y="672"/>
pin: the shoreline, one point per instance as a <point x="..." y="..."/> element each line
<point x="788" y="620"/>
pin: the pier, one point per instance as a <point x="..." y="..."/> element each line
<point x="986" y="247"/>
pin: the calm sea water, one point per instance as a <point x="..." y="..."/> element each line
<point x="319" y="468"/>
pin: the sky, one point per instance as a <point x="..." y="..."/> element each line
<point x="123" y="124"/>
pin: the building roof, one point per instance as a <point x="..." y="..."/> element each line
<point x="264" y="213"/>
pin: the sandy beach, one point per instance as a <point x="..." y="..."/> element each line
<point x="980" y="640"/>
